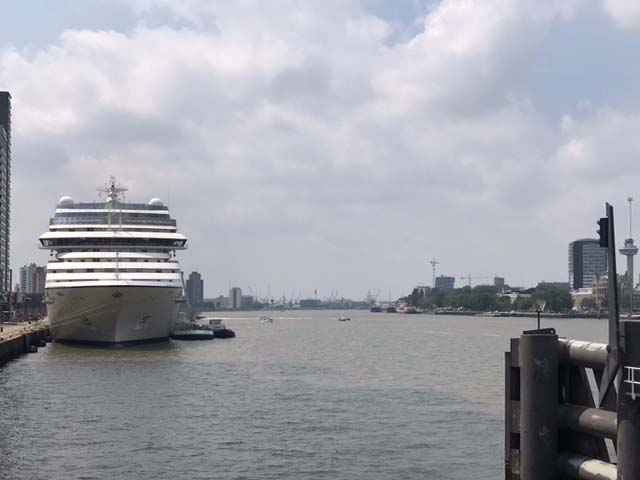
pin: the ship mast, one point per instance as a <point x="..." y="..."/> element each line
<point x="114" y="196"/>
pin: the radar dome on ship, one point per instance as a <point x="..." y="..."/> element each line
<point x="65" y="201"/>
<point x="156" y="202"/>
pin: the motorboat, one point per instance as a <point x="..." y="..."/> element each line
<point x="192" y="331"/>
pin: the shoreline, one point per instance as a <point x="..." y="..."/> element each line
<point x="16" y="340"/>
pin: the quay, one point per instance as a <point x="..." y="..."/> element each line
<point x="572" y="408"/>
<point x="16" y="340"/>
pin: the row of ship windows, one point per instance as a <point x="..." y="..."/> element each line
<point x="120" y="259"/>
<point x="80" y="229"/>
<point x="103" y="219"/>
<point x="111" y="270"/>
<point x="81" y="242"/>
<point x="116" y="206"/>
<point x="115" y="215"/>
<point x="101" y="279"/>
<point x="130" y="250"/>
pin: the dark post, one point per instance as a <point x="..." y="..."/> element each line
<point x="629" y="408"/>
<point x="614" y="316"/>
<point x="538" y="312"/>
<point x="539" y="406"/>
<point x="608" y="240"/>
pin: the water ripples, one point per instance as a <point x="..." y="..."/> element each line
<point x="380" y="397"/>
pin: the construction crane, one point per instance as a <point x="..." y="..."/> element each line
<point x="371" y="298"/>
<point x="433" y="265"/>
<point x="471" y="277"/>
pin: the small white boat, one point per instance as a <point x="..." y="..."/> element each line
<point x="266" y="320"/>
<point x="344" y="319"/>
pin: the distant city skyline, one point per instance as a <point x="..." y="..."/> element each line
<point x="336" y="147"/>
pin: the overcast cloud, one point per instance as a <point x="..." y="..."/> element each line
<point x="338" y="144"/>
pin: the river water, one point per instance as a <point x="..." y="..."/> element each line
<point x="385" y="396"/>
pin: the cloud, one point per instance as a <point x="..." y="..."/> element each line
<point x="624" y="13"/>
<point x="298" y="145"/>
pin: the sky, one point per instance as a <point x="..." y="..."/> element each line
<point x="333" y="146"/>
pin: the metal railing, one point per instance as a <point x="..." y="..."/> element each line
<point x="632" y="380"/>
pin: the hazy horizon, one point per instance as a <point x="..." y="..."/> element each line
<point x="339" y="146"/>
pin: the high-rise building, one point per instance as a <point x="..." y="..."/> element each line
<point x="445" y="283"/>
<point x="195" y="288"/>
<point x="235" y="298"/>
<point x="498" y="282"/>
<point x="5" y="194"/>
<point x="586" y="259"/>
<point x="32" y="278"/>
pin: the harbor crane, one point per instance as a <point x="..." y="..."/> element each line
<point x="472" y="277"/>
<point x="371" y="298"/>
<point x="433" y="265"/>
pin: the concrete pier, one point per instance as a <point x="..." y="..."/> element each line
<point x="22" y="338"/>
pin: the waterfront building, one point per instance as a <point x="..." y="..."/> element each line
<point x="219" y="302"/>
<point x="5" y="194"/>
<point x="515" y="295"/>
<point x="195" y="288"/>
<point x="32" y="279"/>
<point x="247" y="301"/>
<point x="498" y="283"/>
<point x="310" y="303"/>
<point x="586" y="259"/>
<point x="445" y="283"/>
<point x="562" y="285"/>
<point x="235" y="298"/>
<point x="422" y="290"/>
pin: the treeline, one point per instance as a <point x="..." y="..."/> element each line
<point x="486" y="298"/>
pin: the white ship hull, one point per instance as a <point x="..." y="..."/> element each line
<point x="112" y="315"/>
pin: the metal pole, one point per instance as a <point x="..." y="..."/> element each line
<point x="628" y="444"/>
<point x="630" y="200"/>
<point x="539" y="406"/>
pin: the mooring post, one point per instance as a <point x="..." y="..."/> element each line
<point x="629" y="403"/>
<point x="539" y="405"/>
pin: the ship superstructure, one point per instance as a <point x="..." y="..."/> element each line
<point x="114" y="278"/>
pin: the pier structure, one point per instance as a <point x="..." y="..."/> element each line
<point x="16" y="340"/>
<point x="572" y="408"/>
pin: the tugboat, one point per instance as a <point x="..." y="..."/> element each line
<point x="219" y="329"/>
<point x="202" y="328"/>
<point x="375" y="309"/>
<point x="186" y="330"/>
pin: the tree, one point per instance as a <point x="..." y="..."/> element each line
<point x="503" y="304"/>
<point x="589" y="303"/>
<point x="556" y="299"/>
<point x="522" y="304"/>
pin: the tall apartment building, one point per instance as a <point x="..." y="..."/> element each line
<point x="445" y="283"/>
<point x="235" y="298"/>
<point x="32" y="278"/>
<point x="195" y="288"/>
<point x="586" y="259"/>
<point x="5" y="194"/>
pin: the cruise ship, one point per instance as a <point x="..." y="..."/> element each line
<point x="114" y="279"/>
